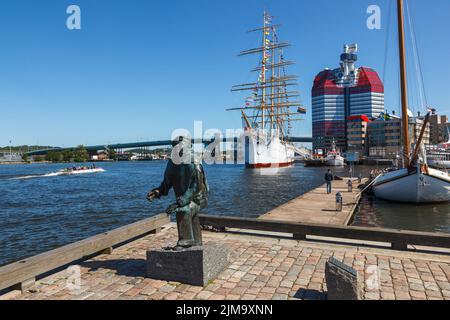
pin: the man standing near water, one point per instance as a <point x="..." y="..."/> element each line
<point x="329" y="177"/>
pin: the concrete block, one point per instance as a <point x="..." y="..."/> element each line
<point x="195" y="266"/>
<point x="342" y="281"/>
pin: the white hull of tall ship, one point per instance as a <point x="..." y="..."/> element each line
<point x="421" y="186"/>
<point x="267" y="151"/>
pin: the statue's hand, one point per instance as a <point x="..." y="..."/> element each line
<point x="170" y="209"/>
<point x="183" y="201"/>
<point x="152" y="195"/>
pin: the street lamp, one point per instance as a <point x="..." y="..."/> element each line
<point x="10" y="151"/>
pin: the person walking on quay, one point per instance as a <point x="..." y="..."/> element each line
<point x="329" y="177"/>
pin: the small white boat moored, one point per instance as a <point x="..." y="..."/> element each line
<point x="334" y="158"/>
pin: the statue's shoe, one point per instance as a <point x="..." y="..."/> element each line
<point x="182" y="245"/>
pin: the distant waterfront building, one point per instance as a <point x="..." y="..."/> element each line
<point x="357" y="127"/>
<point x="340" y="93"/>
<point x="384" y="137"/>
<point x="438" y="129"/>
<point x="446" y="132"/>
<point x="7" y="157"/>
<point x="415" y="127"/>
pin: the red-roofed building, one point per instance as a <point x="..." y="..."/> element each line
<point x="340" y="93"/>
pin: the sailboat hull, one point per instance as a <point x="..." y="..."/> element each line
<point x="417" y="187"/>
<point x="266" y="151"/>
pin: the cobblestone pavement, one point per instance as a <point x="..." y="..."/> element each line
<point x="260" y="268"/>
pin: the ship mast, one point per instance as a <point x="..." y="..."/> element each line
<point x="403" y="81"/>
<point x="263" y="67"/>
<point x="270" y="100"/>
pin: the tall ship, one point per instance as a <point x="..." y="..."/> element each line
<point x="267" y="116"/>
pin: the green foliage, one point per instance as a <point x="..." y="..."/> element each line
<point x="67" y="156"/>
<point x="53" y="156"/>
<point x="112" y="154"/>
<point x="80" y="154"/>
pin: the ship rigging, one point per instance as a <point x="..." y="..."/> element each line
<point x="267" y="115"/>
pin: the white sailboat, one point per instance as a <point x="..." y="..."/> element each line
<point x="422" y="185"/>
<point x="416" y="182"/>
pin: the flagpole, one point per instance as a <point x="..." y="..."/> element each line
<point x="10" y="151"/>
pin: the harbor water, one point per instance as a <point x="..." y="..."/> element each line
<point x="40" y="211"/>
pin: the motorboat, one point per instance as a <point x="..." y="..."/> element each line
<point x="80" y="170"/>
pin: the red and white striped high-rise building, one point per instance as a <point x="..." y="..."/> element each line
<point x="341" y="93"/>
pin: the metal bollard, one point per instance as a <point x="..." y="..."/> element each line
<point x="350" y="185"/>
<point x="339" y="202"/>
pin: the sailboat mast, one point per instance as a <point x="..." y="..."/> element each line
<point x="403" y="81"/>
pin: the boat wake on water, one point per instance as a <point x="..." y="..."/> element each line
<point x="52" y="174"/>
<point x="64" y="172"/>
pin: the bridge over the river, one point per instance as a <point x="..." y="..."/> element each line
<point x="160" y="143"/>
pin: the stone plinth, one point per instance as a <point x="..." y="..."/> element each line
<point x="195" y="266"/>
<point x="342" y="281"/>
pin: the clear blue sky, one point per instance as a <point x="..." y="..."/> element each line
<point x="139" y="69"/>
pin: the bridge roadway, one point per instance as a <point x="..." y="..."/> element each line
<point x="159" y="143"/>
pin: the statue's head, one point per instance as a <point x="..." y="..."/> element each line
<point x="177" y="140"/>
<point x="182" y="150"/>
